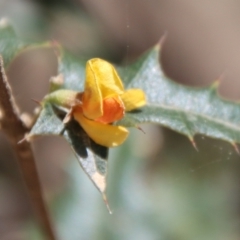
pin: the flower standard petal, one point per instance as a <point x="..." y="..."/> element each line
<point x="92" y="96"/>
<point x="102" y="81"/>
<point x="103" y="134"/>
<point x="133" y="98"/>
<point x="106" y="76"/>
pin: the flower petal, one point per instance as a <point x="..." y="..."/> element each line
<point x="106" y="76"/>
<point x="92" y="97"/>
<point x="113" y="110"/>
<point x="103" y="134"/>
<point x="133" y="98"/>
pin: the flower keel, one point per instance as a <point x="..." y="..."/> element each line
<point x="103" y="134"/>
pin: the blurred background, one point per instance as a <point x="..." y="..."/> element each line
<point x="159" y="186"/>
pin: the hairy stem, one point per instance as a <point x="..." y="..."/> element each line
<point x="15" y="129"/>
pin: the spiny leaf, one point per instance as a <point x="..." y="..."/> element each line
<point x="92" y="157"/>
<point x="183" y="109"/>
<point x="186" y="110"/>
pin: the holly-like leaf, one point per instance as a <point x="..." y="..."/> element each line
<point x="186" y="110"/>
<point x="92" y="157"/>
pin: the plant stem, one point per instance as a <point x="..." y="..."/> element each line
<point x="15" y="129"/>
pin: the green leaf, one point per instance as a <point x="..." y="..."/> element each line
<point x="48" y="123"/>
<point x="186" y="110"/>
<point x="92" y="157"/>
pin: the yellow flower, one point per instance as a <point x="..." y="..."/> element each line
<point x="105" y="101"/>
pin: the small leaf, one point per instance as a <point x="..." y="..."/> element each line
<point x="92" y="157"/>
<point x="47" y="123"/>
<point x="186" y="110"/>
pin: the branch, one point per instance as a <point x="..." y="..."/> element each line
<point x="15" y="129"/>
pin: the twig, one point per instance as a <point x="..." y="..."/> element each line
<point x="15" y="129"/>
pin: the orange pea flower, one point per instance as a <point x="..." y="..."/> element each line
<point x="103" y="102"/>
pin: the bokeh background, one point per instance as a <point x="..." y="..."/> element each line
<point x="159" y="186"/>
